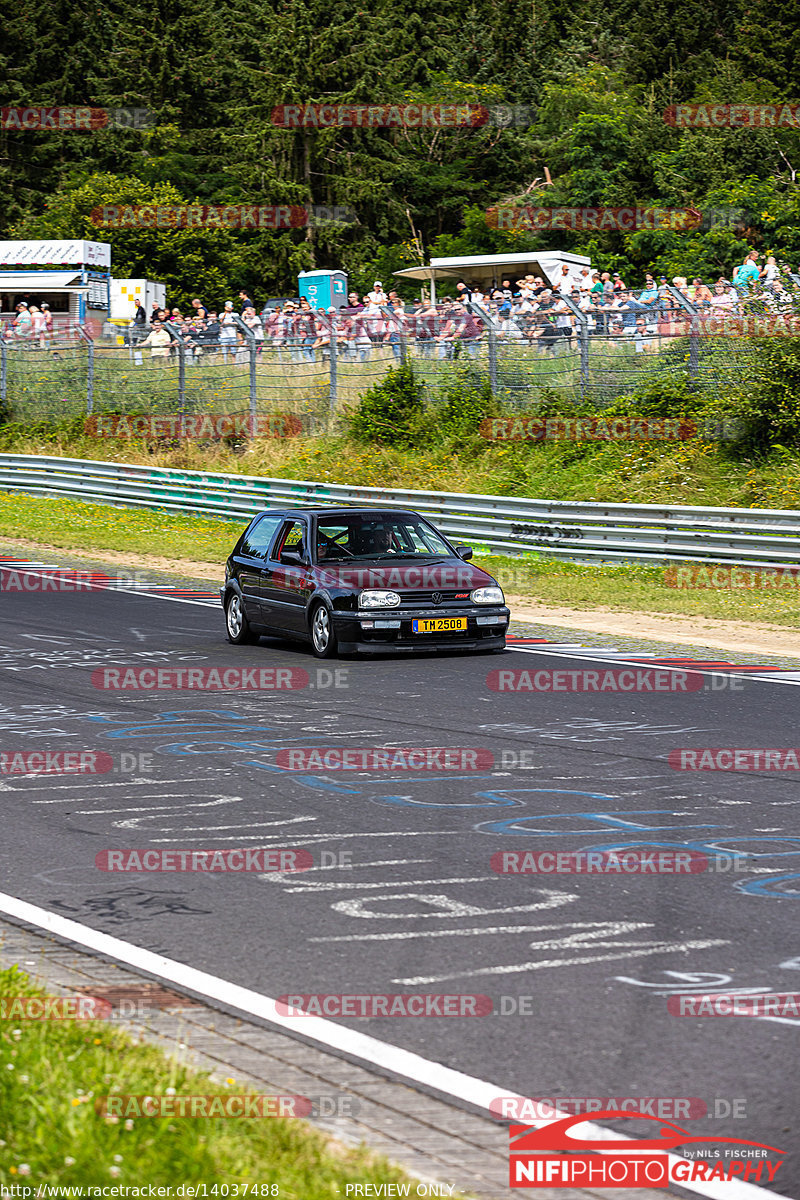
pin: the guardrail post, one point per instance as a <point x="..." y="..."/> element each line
<point x="3" y="370"/>
<point x="87" y="337"/>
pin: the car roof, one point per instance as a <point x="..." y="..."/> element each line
<point x="335" y="511"/>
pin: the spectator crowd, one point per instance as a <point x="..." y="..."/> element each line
<point x="530" y="312"/>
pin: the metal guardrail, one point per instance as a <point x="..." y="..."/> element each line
<point x="572" y="530"/>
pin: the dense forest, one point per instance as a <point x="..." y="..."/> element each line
<point x="599" y="76"/>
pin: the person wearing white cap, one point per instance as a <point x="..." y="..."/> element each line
<point x="23" y="322"/>
<point x="227" y="332"/>
<point x="377" y="295"/>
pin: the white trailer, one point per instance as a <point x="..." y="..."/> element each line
<point x="127" y="293"/>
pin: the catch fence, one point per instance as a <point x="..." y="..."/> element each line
<point x="309" y="371"/>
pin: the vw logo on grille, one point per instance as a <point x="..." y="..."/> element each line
<point x="437" y="597"/>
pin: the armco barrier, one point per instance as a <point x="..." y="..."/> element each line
<point x="584" y="532"/>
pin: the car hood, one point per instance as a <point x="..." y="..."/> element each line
<point x="404" y="575"/>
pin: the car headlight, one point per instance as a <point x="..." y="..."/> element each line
<point x="377" y="599"/>
<point x="487" y="595"/>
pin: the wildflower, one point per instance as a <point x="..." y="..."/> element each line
<point x="69" y="1161"/>
<point x="24" y="1169"/>
<point x="114" y="1171"/>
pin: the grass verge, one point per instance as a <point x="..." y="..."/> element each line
<point x="71" y="524"/>
<point x="53" y="1073"/>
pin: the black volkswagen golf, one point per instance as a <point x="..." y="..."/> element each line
<point x="359" y="579"/>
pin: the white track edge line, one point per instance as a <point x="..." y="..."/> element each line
<point x="655" y="666"/>
<point x="327" y="1033"/>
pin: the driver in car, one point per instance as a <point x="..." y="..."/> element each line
<point x="382" y="540"/>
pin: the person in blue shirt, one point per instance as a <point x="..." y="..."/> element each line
<point x="748" y="273"/>
<point x="646" y="303"/>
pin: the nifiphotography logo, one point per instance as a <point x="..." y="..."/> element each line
<point x="551" y="1156"/>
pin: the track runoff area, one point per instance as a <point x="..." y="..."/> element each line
<point x="553" y="882"/>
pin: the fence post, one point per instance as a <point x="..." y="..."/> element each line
<point x="582" y="325"/>
<point x="3" y="370"/>
<point x="401" y="330"/>
<point x="491" y="341"/>
<point x="181" y="344"/>
<point x="334" y="361"/>
<point x="694" y="335"/>
<point x="251" y="345"/>
<point x="87" y="337"/>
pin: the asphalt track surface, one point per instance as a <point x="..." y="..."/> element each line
<point x="411" y="904"/>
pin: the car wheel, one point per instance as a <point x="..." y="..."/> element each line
<point x="323" y="638"/>
<point x="236" y="624"/>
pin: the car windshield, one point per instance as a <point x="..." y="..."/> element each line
<point x="346" y="538"/>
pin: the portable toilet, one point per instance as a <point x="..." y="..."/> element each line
<point x="323" y="289"/>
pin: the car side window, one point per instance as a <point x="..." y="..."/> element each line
<point x="292" y="537"/>
<point x="257" y="540"/>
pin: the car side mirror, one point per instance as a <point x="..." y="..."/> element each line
<point x="464" y="552"/>
<point x="292" y="558"/>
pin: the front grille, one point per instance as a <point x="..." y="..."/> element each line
<point x="423" y="598"/>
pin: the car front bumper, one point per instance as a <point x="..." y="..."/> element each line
<point x="378" y="630"/>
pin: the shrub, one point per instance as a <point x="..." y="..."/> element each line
<point x="385" y="413"/>
<point x="767" y="400"/>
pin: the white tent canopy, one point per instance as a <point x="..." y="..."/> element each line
<point x="491" y="269"/>
<point x="20" y="282"/>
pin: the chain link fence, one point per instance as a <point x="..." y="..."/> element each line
<point x="305" y="370"/>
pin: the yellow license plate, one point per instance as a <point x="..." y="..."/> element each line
<point x="439" y="625"/>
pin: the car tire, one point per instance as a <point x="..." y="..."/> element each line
<point x="237" y="627"/>
<point x="323" y="638"/>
